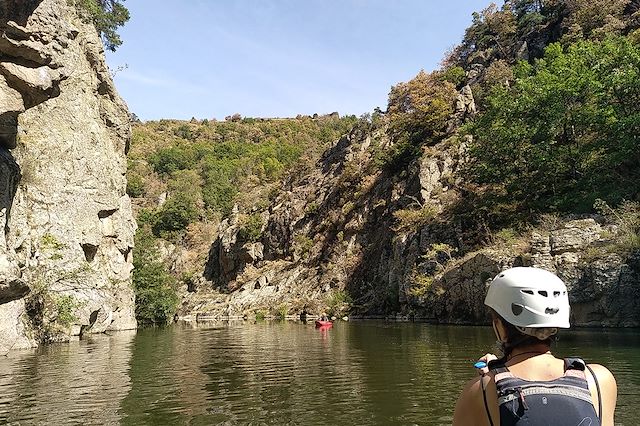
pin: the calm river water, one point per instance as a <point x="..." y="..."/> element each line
<point x="357" y="373"/>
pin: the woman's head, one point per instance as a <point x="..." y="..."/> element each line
<point x="529" y="303"/>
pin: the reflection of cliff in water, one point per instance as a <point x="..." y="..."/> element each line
<point x="411" y="376"/>
<point x="371" y="373"/>
<point x="238" y="374"/>
<point x="290" y="373"/>
<point x="79" y="383"/>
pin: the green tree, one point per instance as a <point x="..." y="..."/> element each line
<point x="595" y="17"/>
<point x="156" y="298"/>
<point x="169" y="160"/>
<point x="565" y="133"/>
<point x="107" y="16"/>
<point x="175" y="214"/>
<point x="418" y="111"/>
<point x="421" y="106"/>
<point x="490" y="36"/>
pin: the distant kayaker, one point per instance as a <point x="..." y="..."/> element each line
<point x="324" y="316"/>
<point x="529" y="385"/>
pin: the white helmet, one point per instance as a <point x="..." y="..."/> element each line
<point x="530" y="298"/>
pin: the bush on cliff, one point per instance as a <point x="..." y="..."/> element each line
<point x="421" y="107"/>
<point x="107" y="16"/>
<point x="565" y="132"/>
<point x="156" y="298"/>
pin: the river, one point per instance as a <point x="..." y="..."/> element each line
<point x="280" y="373"/>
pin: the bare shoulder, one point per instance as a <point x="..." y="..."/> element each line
<point x="470" y="408"/>
<point x="602" y="373"/>
<point x="608" y="392"/>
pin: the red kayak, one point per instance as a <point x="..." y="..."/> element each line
<point x="323" y="324"/>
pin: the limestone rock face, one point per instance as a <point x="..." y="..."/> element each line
<point x="67" y="226"/>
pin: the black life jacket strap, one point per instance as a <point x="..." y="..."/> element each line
<point x="484" y="397"/>
<point x="574" y="364"/>
<point x="595" y="379"/>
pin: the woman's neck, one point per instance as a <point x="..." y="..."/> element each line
<point x="528" y="351"/>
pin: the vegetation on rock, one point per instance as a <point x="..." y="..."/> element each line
<point x="107" y="16"/>
<point x="532" y="118"/>
<point x="186" y="177"/>
<point x="202" y="167"/>
<point x="565" y="132"/>
<point x="156" y="297"/>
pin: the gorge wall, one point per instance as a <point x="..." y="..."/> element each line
<point x="336" y="229"/>
<point x="66" y="226"/>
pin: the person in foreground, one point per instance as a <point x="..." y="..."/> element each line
<point x="529" y="385"/>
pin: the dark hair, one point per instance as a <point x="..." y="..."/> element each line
<point x="515" y="337"/>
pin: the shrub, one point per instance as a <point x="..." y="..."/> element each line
<point x="302" y="245"/>
<point x="135" y="185"/>
<point x="627" y="219"/>
<point x="339" y="302"/>
<point x="156" y="298"/>
<point x="282" y="311"/>
<point x="440" y="254"/>
<point x="506" y="236"/>
<point x="311" y="208"/>
<point x="184" y="132"/>
<point x="251" y="228"/>
<point x="66" y="306"/>
<point x="409" y="220"/>
<point x="454" y="75"/>
<point x="420" y="284"/>
<point x="169" y="160"/>
<point x="50" y="242"/>
<point x="260" y="314"/>
<point x="348" y="207"/>
<point x="421" y="106"/>
<point x="175" y="214"/>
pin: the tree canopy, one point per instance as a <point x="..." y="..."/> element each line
<point x="566" y="131"/>
<point x="107" y="16"/>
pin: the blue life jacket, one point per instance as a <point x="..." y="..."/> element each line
<point x="565" y="401"/>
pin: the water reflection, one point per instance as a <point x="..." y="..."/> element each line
<point x="290" y="373"/>
<point x="274" y="373"/>
<point x="80" y="382"/>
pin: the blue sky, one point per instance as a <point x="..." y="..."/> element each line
<point x="278" y="58"/>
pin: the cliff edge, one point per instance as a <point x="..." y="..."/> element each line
<point x="66" y="226"/>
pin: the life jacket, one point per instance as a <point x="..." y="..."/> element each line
<point x="565" y="401"/>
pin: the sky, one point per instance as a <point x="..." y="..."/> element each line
<point x="278" y="58"/>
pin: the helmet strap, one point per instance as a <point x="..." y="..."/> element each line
<point x="497" y="332"/>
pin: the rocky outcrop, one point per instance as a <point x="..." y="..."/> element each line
<point x="603" y="288"/>
<point x="67" y="226"/>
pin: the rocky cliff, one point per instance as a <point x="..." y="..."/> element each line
<point x="66" y="227"/>
<point x="396" y="245"/>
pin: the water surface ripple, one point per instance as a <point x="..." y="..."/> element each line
<point x="369" y="373"/>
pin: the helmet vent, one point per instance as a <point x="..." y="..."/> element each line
<point x="516" y="309"/>
<point x="543" y="293"/>
<point x="551" y="310"/>
<point x="527" y="291"/>
<point x="556" y="294"/>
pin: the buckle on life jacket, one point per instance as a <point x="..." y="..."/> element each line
<point x="522" y="399"/>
